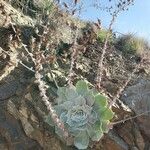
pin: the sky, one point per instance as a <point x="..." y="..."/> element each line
<point x="136" y="20"/>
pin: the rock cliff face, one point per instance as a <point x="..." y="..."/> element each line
<point x="22" y="112"/>
<point x="137" y="97"/>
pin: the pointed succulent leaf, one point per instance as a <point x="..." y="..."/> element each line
<point x="95" y="132"/>
<point x="59" y="109"/>
<point x="89" y="98"/>
<point x="98" y="110"/>
<point x="93" y="117"/>
<point x="81" y="87"/>
<point x="107" y="114"/>
<point x="101" y="100"/>
<point x="65" y="106"/>
<point x="71" y="93"/>
<point x="95" y="92"/>
<point x="79" y="101"/>
<point x="59" y="100"/>
<point x="97" y="136"/>
<point x="105" y="127"/>
<point x="82" y="140"/>
<point x="63" y="117"/>
<point x="62" y="95"/>
<point x="75" y="131"/>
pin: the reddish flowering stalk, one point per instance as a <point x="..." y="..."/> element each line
<point x="43" y="87"/>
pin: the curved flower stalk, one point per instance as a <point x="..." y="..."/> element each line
<point x="84" y="112"/>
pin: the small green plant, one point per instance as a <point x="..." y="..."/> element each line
<point x="84" y="112"/>
<point x="101" y="36"/>
<point x="131" y="45"/>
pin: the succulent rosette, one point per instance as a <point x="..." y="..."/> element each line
<point x="84" y="112"/>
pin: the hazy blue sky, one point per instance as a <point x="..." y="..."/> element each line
<point x="135" y="20"/>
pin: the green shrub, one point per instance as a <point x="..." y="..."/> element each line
<point x="131" y="45"/>
<point x="84" y="112"/>
<point x="101" y="36"/>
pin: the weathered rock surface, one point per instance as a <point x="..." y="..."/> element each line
<point x="12" y="137"/>
<point x="22" y="125"/>
<point x="137" y="97"/>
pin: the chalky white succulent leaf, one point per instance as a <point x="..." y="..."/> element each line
<point x="84" y="112"/>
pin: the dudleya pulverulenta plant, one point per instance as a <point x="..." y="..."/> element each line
<point x="85" y="113"/>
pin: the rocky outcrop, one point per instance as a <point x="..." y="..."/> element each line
<point x="22" y="113"/>
<point x="137" y="97"/>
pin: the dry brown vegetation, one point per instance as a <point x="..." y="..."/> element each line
<point x="43" y="47"/>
